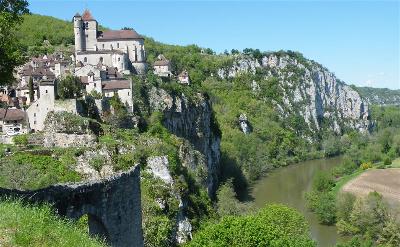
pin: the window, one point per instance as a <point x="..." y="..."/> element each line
<point x="117" y="45"/>
<point x="94" y="84"/>
<point x="34" y="114"/>
<point x="101" y="59"/>
<point x="128" y="93"/>
<point x="46" y="91"/>
<point x="34" y="122"/>
<point x="103" y="46"/>
<point x="119" y="59"/>
<point x="85" y="60"/>
<point x="87" y="36"/>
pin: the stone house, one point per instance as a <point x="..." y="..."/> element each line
<point x="162" y="67"/>
<point x="121" y="49"/>
<point x="38" y="110"/>
<point x="183" y="77"/>
<point x="12" y="121"/>
<point x="122" y="88"/>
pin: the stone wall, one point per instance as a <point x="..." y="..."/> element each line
<point x="113" y="205"/>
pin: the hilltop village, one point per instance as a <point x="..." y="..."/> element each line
<point x="102" y="65"/>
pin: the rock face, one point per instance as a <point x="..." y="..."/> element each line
<point x="193" y="121"/>
<point x="244" y="124"/>
<point x="308" y="89"/>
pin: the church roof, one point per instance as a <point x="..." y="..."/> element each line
<point x="87" y="16"/>
<point x="119" y="34"/>
<point x="77" y="15"/>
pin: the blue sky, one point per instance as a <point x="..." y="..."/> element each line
<point x="357" y="40"/>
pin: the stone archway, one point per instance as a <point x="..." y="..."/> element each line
<point x="97" y="228"/>
<point x="113" y="205"/>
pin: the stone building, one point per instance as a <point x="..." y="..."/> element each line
<point x="183" y="77"/>
<point x="121" y="49"/>
<point x="107" y="82"/>
<point x="12" y="121"/>
<point x="162" y="67"/>
<point x="38" y="110"/>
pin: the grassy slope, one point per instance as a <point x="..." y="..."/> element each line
<point x="22" y="225"/>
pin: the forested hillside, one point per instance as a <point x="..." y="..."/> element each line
<point x="380" y="96"/>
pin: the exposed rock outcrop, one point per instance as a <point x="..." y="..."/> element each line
<point x="244" y="124"/>
<point x="308" y="89"/>
<point x="192" y="120"/>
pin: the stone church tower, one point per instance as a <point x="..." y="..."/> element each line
<point x="121" y="49"/>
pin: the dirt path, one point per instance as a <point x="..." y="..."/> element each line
<point x="383" y="181"/>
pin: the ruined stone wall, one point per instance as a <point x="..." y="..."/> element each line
<point x="113" y="205"/>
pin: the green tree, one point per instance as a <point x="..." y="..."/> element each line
<point x="227" y="203"/>
<point x="31" y="90"/>
<point x="274" y="225"/>
<point x="10" y="50"/>
<point x="69" y="88"/>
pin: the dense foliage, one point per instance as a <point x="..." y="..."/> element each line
<point x="274" y="225"/>
<point x="380" y="96"/>
<point x="37" y="225"/>
<point x="10" y="50"/>
<point x="69" y="87"/>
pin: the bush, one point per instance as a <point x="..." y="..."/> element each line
<point x="274" y="225"/>
<point x="323" y="182"/>
<point x="69" y="88"/>
<point x="344" y="205"/>
<point x="387" y="161"/>
<point x="366" y="165"/>
<point x="21" y="140"/>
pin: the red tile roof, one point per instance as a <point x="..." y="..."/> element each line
<point x="116" y="84"/>
<point x="119" y="34"/>
<point x="87" y="16"/>
<point x="12" y="114"/>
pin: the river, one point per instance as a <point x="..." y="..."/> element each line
<point x="287" y="185"/>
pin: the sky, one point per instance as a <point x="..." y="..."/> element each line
<point x="357" y="40"/>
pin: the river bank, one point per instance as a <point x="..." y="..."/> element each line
<point x="287" y="185"/>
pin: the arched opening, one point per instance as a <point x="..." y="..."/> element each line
<point x="101" y="59"/>
<point x="85" y="59"/>
<point x="94" y="226"/>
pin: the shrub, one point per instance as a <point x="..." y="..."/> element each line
<point x="344" y="205"/>
<point x="21" y="140"/>
<point x="323" y="181"/>
<point x="387" y="161"/>
<point x="366" y="165"/>
<point x="274" y="225"/>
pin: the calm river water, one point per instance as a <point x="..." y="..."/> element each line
<point x="287" y="185"/>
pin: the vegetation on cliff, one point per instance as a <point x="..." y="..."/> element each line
<point x="37" y="225"/>
<point x="274" y="225"/>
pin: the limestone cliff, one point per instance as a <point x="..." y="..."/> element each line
<point x="308" y="89"/>
<point x="192" y="120"/>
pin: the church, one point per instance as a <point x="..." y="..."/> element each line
<point x="120" y="49"/>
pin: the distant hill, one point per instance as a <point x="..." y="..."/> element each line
<point x="380" y="96"/>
